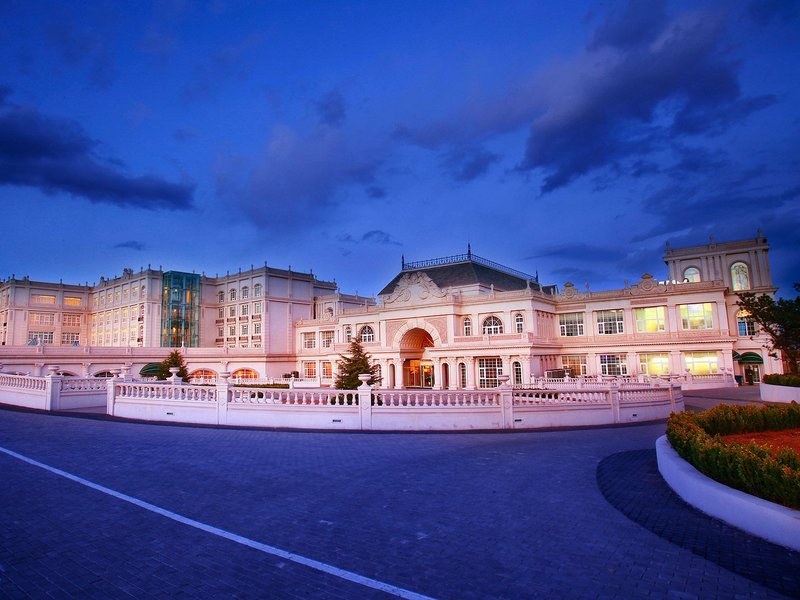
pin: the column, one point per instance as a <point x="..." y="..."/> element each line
<point x="472" y="372"/>
<point x="437" y="374"/>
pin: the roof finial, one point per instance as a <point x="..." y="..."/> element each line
<point x="469" y="250"/>
<point x="402" y="261"/>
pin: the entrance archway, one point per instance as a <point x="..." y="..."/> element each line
<point x="417" y="366"/>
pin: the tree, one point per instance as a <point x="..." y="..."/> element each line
<point x="350" y="367"/>
<point x="175" y="359"/>
<point x="780" y="320"/>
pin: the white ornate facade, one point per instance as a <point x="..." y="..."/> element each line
<point x="456" y="322"/>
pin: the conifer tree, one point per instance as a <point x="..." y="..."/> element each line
<point x="175" y="359"/>
<point x="350" y="367"/>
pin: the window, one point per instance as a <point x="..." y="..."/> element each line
<point x="654" y="363"/>
<point x="221" y="313"/>
<point x="571" y="324"/>
<point x="462" y="376"/>
<point x="746" y="324"/>
<point x="42" y="299"/>
<point x="232" y="330"/>
<point x="650" y="320"/>
<point x="244" y="309"/>
<point x="467" y="326"/>
<point x="309" y="370"/>
<point x="691" y="275"/>
<point x="516" y="368"/>
<point x="488" y="370"/>
<point x="701" y="363"/>
<point x="72" y="301"/>
<point x="610" y="322"/>
<point x="40" y="337"/>
<point x="367" y="334"/>
<point x="309" y="340"/>
<point x="245" y="329"/>
<point x="575" y="362"/>
<point x="220" y="332"/>
<point x="70" y="320"/>
<point x="221" y="296"/>
<point x="327" y="370"/>
<point x="70" y="339"/>
<point x="492" y="326"/>
<point x="257" y="308"/>
<point x="348" y="334"/>
<point x="740" y="276"/>
<point x="696" y="316"/>
<point x="613" y="364"/>
<point x="245" y="374"/>
<point x="327" y="338"/>
<point x="256" y="328"/>
<point x="231" y="311"/>
<point x="519" y="323"/>
<point x="42" y="318"/>
<point x="257" y="290"/>
<point x="232" y="295"/>
<point x="245" y="293"/>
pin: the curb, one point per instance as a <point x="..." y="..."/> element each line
<point x="765" y="519"/>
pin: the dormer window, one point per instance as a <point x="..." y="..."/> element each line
<point x="740" y="276"/>
<point x="367" y="334"/>
<point x="492" y="326"/>
<point x="691" y="275"/>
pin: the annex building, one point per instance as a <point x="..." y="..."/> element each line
<point x="453" y="322"/>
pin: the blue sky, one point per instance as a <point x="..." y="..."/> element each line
<point x="572" y="138"/>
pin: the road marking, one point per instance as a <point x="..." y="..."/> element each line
<point x="302" y="560"/>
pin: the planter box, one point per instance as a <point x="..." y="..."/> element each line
<point x="779" y="393"/>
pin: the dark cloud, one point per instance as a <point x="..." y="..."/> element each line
<point x="56" y="155"/>
<point x="468" y="163"/>
<point x="132" y="244"/>
<point x="698" y="160"/>
<point x="82" y="44"/>
<point x="376" y="192"/>
<point x="582" y="252"/>
<point x="331" y="109"/>
<point x="765" y="11"/>
<point x="629" y="24"/>
<point x="375" y="236"/>
<point x="229" y="62"/>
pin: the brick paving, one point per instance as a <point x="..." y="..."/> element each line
<point x="489" y="515"/>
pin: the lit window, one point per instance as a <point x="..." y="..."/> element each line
<point x="72" y="301"/>
<point x="327" y="370"/>
<point x="42" y="319"/>
<point x="492" y="326"/>
<point x="245" y="293"/>
<point x="745" y="323"/>
<point x="327" y="339"/>
<point x="519" y="323"/>
<point x="232" y="295"/>
<point x="654" y="363"/>
<point x="610" y="322"/>
<point x="488" y="371"/>
<point x="576" y="363"/>
<point x="309" y="370"/>
<point x="244" y="374"/>
<point x="696" y="316"/>
<point x="40" y="337"/>
<point x="367" y="334"/>
<point x="42" y="299"/>
<point x="467" y="326"/>
<point x="258" y="290"/>
<point x="651" y="319"/>
<point x="613" y="364"/>
<point x="571" y="324"/>
<point x="70" y="320"/>
<point x="691" y="275"/>
<point x="70" y="339"/>
<point x="701" y="363"/>
<point x="517" y="370"/>
<point x="309" y="340"/>
<point x="740" y="276"/>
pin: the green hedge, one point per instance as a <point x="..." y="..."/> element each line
<point x="749" y="468"/>
<point x="789" y="380"/>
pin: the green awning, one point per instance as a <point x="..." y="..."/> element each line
<point x="751" y="358"/>
<point x="150" y="370"/>
<point x="736" y="355"/>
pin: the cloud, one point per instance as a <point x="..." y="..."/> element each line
<point x="56" y="155"/>
<point x="375" y="192"/>
<point x="229" y="62"/>
<point x="765" y="11"/>
<point x="331" y="109"/>
<point x="468" y="163"/>
<point x="375" y="236"/>
<point x="83" y="44"/>
<point x="132" y="244"/>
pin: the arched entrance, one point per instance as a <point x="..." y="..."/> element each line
<point x="417" y="366"/>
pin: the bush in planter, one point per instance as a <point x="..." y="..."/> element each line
<point x="750" y="468"/>
<point x="788" y="380"/>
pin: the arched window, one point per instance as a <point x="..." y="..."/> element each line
<point x="348" y="334"/>
<point x="241" y="374"/>
<point x="519" y="323"/>
<point x="516" y="368"/>
<point x="202" y="376"/>
<point x="366" y="334"/>
<point x="245" y="292"/>
<point x="232" y="295"/>
<point x="462" y="376"/>
<point x="492" y="326"/>
<point x="221" y="296"/>
<point x="740" y="276"/>
<point x="467" y="326"/>
<point x="258" y="289"/>
<point x="691" y="275"/>
<point x="745" y="323"/>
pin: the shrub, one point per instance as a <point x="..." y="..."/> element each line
<point x="750" y="468"/>
<point x="788" y="380"/>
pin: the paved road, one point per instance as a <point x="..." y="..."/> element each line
<point x="501" y="515"/>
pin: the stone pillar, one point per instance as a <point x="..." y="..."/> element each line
<point x="437" y="373"/>
<point x="614" y="397"/>
<point x="223" y="396"/>
<point x="365" y="401"/>
<point x="472" y="372"/>
<point x="506" y="401"/>
<point x="52" y="388"/>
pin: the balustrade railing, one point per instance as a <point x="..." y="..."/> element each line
<point x="149" y="391"/>
<point x="561" y="397"/>
<point x="84" y="384"/>
<point x="435" y="398"/>
<point x="293" y="397"/>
